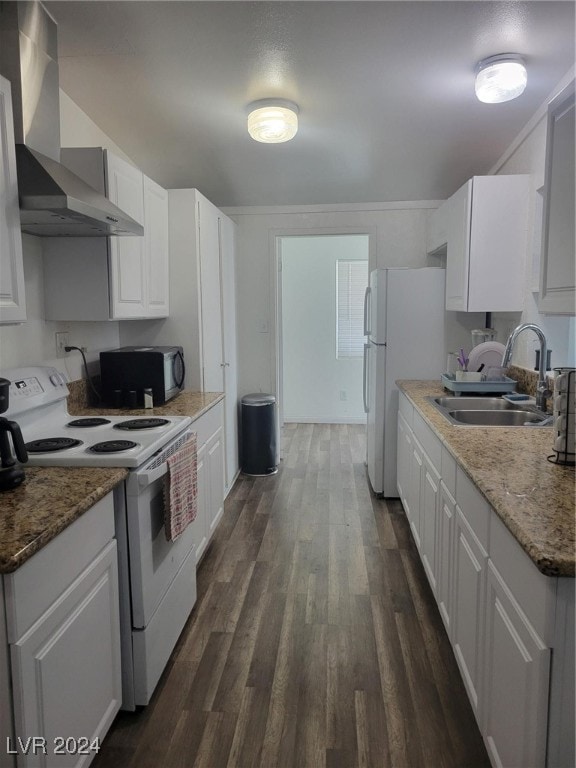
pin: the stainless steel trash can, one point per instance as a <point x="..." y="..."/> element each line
<point x="259" y="434"/>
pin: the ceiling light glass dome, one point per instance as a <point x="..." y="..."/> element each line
<point x="500" y="78"/>
<point x="272" y="121"/>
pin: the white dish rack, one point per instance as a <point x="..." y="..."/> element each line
<point x="496" y="387"/>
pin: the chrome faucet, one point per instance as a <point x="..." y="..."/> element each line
<point x="542" y="392"/>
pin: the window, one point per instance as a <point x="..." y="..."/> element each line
<point x="351" y="282"/>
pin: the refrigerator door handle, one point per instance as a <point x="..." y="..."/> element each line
<point x="365" y="378"/>
<point x="367" y="311"/>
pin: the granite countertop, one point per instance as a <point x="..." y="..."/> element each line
<point x="509" y="466"/>
<point x="47" y="502"/>
<point x="51" y="498"/>
<point x="192" y="404"/>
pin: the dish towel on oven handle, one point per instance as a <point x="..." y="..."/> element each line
<point x="181" y="489"/>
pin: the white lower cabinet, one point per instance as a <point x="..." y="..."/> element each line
<point x="404" y="452"/>
<point x="517" y="668"/>
<point x="469" y="558"/>
<point x="511" y="627"/>
<point x="429" y="504"/>
<point x="415" y="488"/>
<point x="215" y="459"/>
<point x="199" y="524"/>
<point x="209" y="430"/>
<point x="64" y="642"/>
<point x="446" y="528"/>
<point x="418" y="482"/>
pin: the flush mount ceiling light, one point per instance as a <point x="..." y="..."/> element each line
<point x="272" y="120"/>
<point x="500" y="78"/>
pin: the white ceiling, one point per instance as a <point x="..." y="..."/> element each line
<point x="385" y="90"/>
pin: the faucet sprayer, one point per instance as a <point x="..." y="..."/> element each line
<point x="542" y="392"/>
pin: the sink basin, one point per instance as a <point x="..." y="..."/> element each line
<point x="476" y="403"/>
<point x="495" y="418"/>
<point x="486" y="412"/>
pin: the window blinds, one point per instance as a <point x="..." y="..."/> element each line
<point x="351" y="282"/>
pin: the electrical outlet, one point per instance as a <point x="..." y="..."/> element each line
<point x="343" y="395"/>
<point x="62" y="341"/>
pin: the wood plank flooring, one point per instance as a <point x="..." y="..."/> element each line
<point x="315" y="641"/>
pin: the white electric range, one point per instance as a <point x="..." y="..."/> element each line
<point x="157" y="576"/>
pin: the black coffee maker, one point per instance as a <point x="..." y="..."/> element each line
<point x="11" y="473"/>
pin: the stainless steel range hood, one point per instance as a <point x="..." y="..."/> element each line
<point x="54" y="202"/>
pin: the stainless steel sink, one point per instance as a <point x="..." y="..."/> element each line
<point x="496" y="418"/>
<point x="487" y="412"/>
<point x="476" y="403"/>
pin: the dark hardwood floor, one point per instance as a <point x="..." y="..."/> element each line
<point x="315" y="640"/>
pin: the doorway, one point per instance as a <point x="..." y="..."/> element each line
<point x="321" y="284"/>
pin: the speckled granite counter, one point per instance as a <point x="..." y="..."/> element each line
<point x="192" y="404"/>
<point x="47" y="502"/>
<point x="51" y="498"/>
<point x="533" y="497"/>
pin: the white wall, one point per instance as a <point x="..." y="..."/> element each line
<point x="313" y="377"/>
<point x="526" y="154"/>
<point x="34" y="341"/>
<point x="397" y="239"/>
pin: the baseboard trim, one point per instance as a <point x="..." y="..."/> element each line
<point x="324" y="420"/>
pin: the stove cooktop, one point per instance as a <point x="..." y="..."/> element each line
<point x="111" y="441"/>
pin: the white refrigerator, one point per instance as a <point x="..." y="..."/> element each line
<point x="404" y="319"/>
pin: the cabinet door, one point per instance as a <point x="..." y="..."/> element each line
<point x="128" y="277"/>
<point x="156" y="248"/>
<point x="199" y="525"/>
<point x="429" y="502"/>
<point x="446" y="517"/>
<point x="404" y="453"/>
<point x="498" y="243"/>
<point x="516" y="681"/>
<point x="210" y="297"/>
<point x="215" y="461"/>
<point x="415" y="490"/>
<point x="74" y="647"/>
<point x="458" y="251"/>
<point x="12" y="303"/>
<point x="469" y="602"/>
<point x="228" y="262"/>
<point x="558" y="274"/>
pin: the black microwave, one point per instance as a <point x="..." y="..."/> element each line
<point x="129" y="373"/>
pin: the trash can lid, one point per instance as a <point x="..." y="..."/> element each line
<point x="258" y="398"/>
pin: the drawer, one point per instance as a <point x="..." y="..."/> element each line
<point x="32" y="589"/>
<point x="428" y="440"/>
<point x="208" y="423"/>
<point x="473" y="506"/>
<point x="406" y="408"/>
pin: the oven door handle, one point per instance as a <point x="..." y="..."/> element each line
<point x="157" y="466"/>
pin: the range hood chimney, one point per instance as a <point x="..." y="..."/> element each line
<point x="54" y="202"/>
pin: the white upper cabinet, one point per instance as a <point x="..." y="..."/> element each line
<point x="557" y="276"/>
<point x="111" y="278"/>
<point x="156" y="248"/>
<point x="487" y="244"/>
<point x="12" y="303"/>
<point x="125" y="188"/>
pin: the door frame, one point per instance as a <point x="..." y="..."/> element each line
<point x="275" y="249"/>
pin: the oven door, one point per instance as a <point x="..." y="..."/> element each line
<point x="154" y="561"/>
